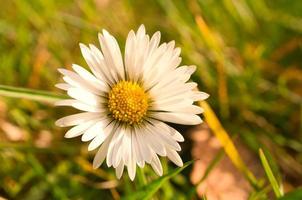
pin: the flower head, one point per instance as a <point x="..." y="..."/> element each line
<point x="125" y="102"/>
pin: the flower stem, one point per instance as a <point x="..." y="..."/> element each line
<point x="142" y="180"/>
<point x="36" y="95"/>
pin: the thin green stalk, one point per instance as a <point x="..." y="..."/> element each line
<point x="272" y="179"/>
<point x="31" y="94"/>
<point x="142" y="180"/>
<point x="58" y="149"/>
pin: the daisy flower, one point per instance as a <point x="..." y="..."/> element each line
<point x="125" y="102"/>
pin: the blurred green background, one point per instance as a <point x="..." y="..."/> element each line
<point x="249" y="58"/>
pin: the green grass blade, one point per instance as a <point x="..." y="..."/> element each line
<point x="149" y="190"/>
<point x="270" y="175"/>
<point x="24" y="93"/>
<point x="142" y="181"/>
<point x="293" y="195"/>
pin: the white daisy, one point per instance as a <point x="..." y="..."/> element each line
<point x="125" y="103"/>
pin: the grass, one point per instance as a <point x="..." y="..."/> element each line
<point x="248" y="55"/>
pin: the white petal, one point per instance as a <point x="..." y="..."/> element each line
<point x="156" y="165"/>
<point x="190" y="109"/>
<point x="129" y="54"/>
<point x="76" y="80"/>
<point x="170" y="104"/>
<point x="101" y="153"/>
<point x="165" y="63"/>
<point x="150" y="138"/>
<point x="136" y="51"/>
<point x="113" y="148"/>
<point x="184" y="72"/>
<point x="153" y="45"/>
<point x="79" y="105"/>
<point x="117" y="154"/>
<point x="174" y="133"/>
<point x="171" y="90"/>
<point x="94" y="60"/>
<point x="177" y="101"/>
<point x="177" y="118"/>
<point x="131" y="167"/>
<point x="199" y="96"/>
<point x="141" y="30"/>
<point x="79" y="129"/>
<point x="96" y="83"/>
<point x="145" y="150"/>
<point x="95" y="130"/>
<point x="168" y="141"/>
<point x="76" y="119"/>
<point x="119" y="170"/>
<point x="105" y="71"/>
<point x="63" y="86"/>
<point x="129" y="157"/>
<point x="102" y="136"/>
<point x="139" y="156"/>
<point x="150" y="72"/>
<point x="163" y="135"/>
<point x="126" y="147"/>
<point x="174" y="157"/>
<point x="112" y="53"/>
<point x="154" y="41"/>
<point x="85" y="96"/>
<point x="193" y="109"/>
<point x="134" y="149"/>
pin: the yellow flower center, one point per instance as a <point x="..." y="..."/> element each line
<point x="128" y="102"/>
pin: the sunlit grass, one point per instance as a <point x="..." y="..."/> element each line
<point x="248" y="55"/>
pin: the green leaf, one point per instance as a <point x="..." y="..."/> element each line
<point x="149" y="190"/>
<point x="36" y="95"/>
<point x="277" y="190"/>
<point x="294" y="195"/>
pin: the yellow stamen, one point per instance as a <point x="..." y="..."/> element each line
<point x="128" y="102"/>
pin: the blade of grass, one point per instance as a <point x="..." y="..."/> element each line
<point x="273" y="181"/>
<point x="58" y="149"/>
<point x="40" y="171"/>
<point x="142" y="181"/>
<point x="227" y="143"/>
<point x="36" y="95"/>
<point x="149" y="190"/>
<point x="293" y="195"/>
<point x="212" y="42"/>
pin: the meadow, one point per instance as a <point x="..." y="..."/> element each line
<point x="248" y="55"/>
